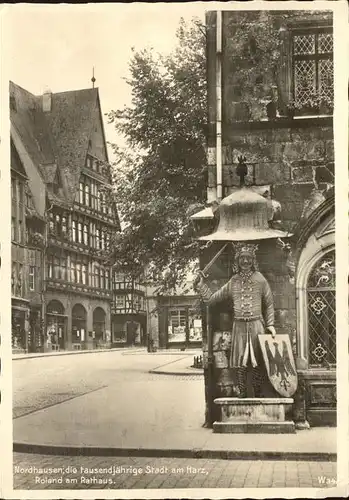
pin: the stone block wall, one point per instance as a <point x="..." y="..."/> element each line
<point x="292" y="156"/>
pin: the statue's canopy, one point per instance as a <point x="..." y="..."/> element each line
<point x="244" y="216"/>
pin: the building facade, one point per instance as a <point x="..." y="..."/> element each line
<point x="174" y="318"/>
<point x="270" y="100"/>
<point x="63" y="221"/>
<point x="129" y="311"/>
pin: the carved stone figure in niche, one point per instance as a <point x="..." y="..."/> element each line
<point x="253" y="314"/>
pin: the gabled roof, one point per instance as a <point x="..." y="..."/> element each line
<point x="56" y="141"/>
<point x="29" y="120"/>
<point x="70" y="123"/>
<point x="16" y="163"/>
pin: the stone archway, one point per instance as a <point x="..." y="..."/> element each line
<point x="56" y="325"/>
<point x="315" y="249"/>
<point x="316" y="323"/>
<point x="79" y="324"/>
<point x="99" y="320"/>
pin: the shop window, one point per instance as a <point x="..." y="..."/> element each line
<point x="195" y="327"/>
<point x="177" y="319"/>
<point x="312" y="52"/>
<point x="119" y="333"/>
<point x="321" y="295"/>
<point x="18" y="329"/>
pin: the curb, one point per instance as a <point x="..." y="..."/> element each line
<point x="183" y="371"/>
<point x="90" y="451"/>
<point x="189" y="374"/>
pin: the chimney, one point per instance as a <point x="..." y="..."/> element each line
<point x="47" y="101"/>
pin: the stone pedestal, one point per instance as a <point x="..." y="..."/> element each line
<point x="253" y="415"/>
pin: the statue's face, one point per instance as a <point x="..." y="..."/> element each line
<point x="245" y="262"/>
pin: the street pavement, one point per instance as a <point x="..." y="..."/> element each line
<point x="121" y="409"/>
<point x="111" y="400"/>
<point x="150" y="473"/>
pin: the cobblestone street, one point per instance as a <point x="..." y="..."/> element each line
<point x="82" y="408"/>
<point x="139" y="473"/>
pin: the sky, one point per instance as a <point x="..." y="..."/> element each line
<point x="57" y="46"/>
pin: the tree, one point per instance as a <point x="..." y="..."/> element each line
<point x="160" y="176"/>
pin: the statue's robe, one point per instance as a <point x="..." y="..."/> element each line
<point x="253" y="311"/>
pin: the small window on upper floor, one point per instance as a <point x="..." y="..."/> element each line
<point x="312" y="82"/>
<point x="89" y="162"/>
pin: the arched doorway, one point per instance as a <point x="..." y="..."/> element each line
<point x="99" y="324"/>
<point x="316" y="319"/>
<point x="79" y="321"/>
<point x="56" y="324"/>
<point x="321" y="299"/>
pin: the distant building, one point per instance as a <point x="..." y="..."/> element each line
<point x="63" y="215"/>
<point x="174" y="318"/>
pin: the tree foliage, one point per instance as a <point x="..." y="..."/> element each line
<point x="160" y="176"/>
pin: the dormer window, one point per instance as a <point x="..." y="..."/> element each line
<point x="89" y="162"/>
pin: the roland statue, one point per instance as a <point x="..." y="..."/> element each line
<point x="253" y="314"/>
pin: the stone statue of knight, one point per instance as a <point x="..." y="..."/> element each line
<point x="253" y="313"/>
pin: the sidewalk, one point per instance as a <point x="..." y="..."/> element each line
<point x="180" y="367"/>
<point x="160" y="417"/>
<point x="127" y="350"/>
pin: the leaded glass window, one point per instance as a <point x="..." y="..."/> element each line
<point x="313" y="71"/>
<point x="321" y="291"/>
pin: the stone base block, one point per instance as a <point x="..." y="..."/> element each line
<point x="254" y="428"/>
<point x="253" y="415"/>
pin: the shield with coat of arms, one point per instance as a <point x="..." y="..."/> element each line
<point x="279" y="362"/>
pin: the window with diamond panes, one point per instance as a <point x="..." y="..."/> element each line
<point x="313" y="71"/>
<point x="321" y="291"/>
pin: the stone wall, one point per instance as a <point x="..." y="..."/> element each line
<point x="291" y="156"/>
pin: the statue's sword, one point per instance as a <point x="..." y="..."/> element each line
<point x="212" y="261"/>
